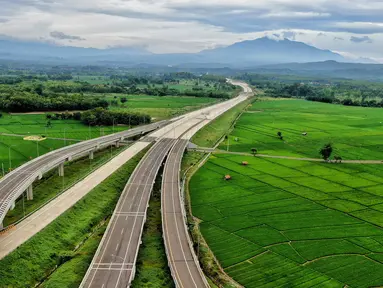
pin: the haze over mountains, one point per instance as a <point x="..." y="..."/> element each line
<point x="250" y="53"/>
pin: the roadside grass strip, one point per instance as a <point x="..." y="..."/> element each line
<point x="283" y="223"/>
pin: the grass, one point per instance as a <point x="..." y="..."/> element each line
<point x="355" y="132"/>
<point x="35" y="124"/>
<point x="209" y="135"/>
<point x="152" y="264"/>
<point x="56" y="248"/>
<point x="15" y="151"/>
<point x="51" y="184"/>
<point x="162" y="107"/>
<point x="284" y="223"/>
<point x="22" y="151"/>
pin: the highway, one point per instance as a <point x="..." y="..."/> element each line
<point x="182" y="261"/>
<point x="16" y="182"/>
<point x="114" y="263"/>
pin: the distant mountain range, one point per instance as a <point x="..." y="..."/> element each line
<point x="250" y="53"/>
<point x="325" y="69"/>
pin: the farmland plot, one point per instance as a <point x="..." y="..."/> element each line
<point x="355" y="132"/>
<point x="284" y="223"/>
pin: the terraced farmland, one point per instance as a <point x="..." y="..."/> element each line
<point x="284" y="223"/>
<point x="355" y="132"/>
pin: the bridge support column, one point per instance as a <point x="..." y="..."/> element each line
<point x="91" y="155"/>
<point x="117" y="144"/>
<point x="61" y="170"/>
<point x="30" y="193"/>
<point x="12" y="206"/>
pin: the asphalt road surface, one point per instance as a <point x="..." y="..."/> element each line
<point x="114" y="263"/>
<point x="184" y="266"/>
<point x="11" y="184"/>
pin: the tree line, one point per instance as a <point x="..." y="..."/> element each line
<point x="346" y="93"/>
<point x="102" y="117"/>
<point x="30" y="102"/>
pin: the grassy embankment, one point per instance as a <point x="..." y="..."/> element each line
<point x="51" y="184"/>
<point x="67" y="245"/>
<point x="212" y="133"/>
<point x="152" y="264"/>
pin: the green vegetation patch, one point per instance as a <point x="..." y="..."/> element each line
<point x="355" y="132"/>
<point x="271" y="229"/>
<point x="209" y="135"/>
<point x="152" y="263"/>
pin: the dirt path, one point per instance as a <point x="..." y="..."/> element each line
<point x="217" y="151"/>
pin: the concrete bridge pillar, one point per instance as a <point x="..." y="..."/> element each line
<point x="61" y="170"/>
<point x="117" y="144"/>
<point x="13" y="205"/>
<point x="91" y="155"/>
<point x="30" y="192"/>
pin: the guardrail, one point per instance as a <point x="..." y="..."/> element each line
<point x="13" y="184"/>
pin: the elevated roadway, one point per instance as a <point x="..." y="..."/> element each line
<point x="15" y="183"/>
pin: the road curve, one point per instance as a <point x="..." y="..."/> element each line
<point x="182" y="261"/>
<point x="17" y="181"/>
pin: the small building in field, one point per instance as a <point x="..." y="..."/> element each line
<point x="227" y="177"/>
<point x="245" y="163"/>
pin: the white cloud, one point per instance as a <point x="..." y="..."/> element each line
<point x="190" y="26"/>
<point x="295" y="15"/>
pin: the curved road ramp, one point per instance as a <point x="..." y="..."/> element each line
<point x="15" y="183"/>
<point x="182" y="260"/>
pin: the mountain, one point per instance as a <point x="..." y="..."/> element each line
<point x="239" y="55"/>
<point x="267" y="51"/>
<point x="330" y="68"/>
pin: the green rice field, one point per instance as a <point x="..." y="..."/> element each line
<point x="288" y="223"/>
<point x="355" y="132"/>
<point x="285" y="223"/>
<point x="161" y="107"/>
<point x="14" y="150"/>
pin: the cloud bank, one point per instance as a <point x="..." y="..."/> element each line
<point x="189" y="26"/>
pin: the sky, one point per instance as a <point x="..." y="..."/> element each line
<point x="353" y="28"/>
